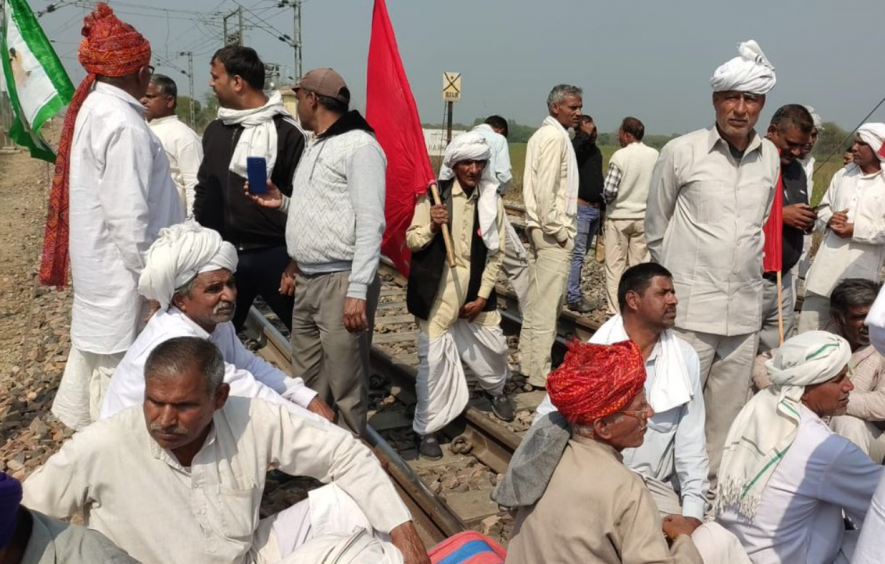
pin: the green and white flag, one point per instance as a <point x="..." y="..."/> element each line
<point x="33" y="78"/>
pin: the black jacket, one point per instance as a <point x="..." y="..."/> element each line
<point x="589" y="159"/>
<point x="219" y="201"/>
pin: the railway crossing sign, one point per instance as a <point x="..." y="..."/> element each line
<point x="451" y="87"/>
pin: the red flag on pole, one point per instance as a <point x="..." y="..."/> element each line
<point x="772" y="254"/>
<point x="392" y="113"/>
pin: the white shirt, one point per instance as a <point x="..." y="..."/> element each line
<point x="808" y="165"/>
<point x="861" y="255"/>
<point x="185" y="151"/>
<point x="247" y="375"/>
<point x="869" y="546"/>
<point x="121" y="195"/>
<point x="799" y="518"/>
<point x="674" y="450"/>
<point x="139" y="496"/>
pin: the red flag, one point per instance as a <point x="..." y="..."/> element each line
<point x="392" y="113"/>
<point x="773" y="254"/>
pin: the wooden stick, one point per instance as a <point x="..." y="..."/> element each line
<point x="780" y="312"/>
<point x="450" y="255"/>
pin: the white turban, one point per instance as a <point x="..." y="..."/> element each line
<point x="749" y="72"/>
<point x="768" y="424"/>
<point x="180" y="253"/>
<point x="472" y="146"/>
<point x="815" y="117"/>
<point x="873" y="134"/>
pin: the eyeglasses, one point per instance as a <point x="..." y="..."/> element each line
<point x="641" y="413"/>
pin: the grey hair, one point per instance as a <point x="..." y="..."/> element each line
<point x="165" y="85"/>
<point x="560" y="91"/>
<point x="186" y="288"/>
<point x="173" y="357"/>
<point x="853" y="292"/>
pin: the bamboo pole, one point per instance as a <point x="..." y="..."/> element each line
<point x="447" y="239"/>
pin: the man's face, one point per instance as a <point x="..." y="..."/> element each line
<point x="830" y="397"/>
<point x="568" y="111"/>
<point x="864" y="156"/>
<point x="211" y="301"/>
<point x="790" y="141"/>
<point x="156" y="104"/>
<point x="848" y="157"/>
<point x="587" y="127"/>
<point x="622" y="138"/>
<point x="469" y="173"/>
<point x="306" y="109"/>
<point x="222" y="84"/>
<point x="628" y="426"/>
<point x="806" y="148"/>
<point x="737" y="112"/>
<point x="851" y="325"/>
<point x="656" y="306"/>
<point x="178" y="408"/>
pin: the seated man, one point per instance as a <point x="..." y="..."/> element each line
<point x="189" y="270"/>
<point x="673" y="457"/>
<point x="864" y="421"/>
<point x="594" y="509"/>
<point x="786" y="479"/>
<point x="29" y="537"/>
<point x="180" y="479"/>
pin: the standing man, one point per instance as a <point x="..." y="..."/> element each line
<point x="550" y="191"/>
<point x="590" y="207"/>
<point x="850" y="215"/>
<point x="626" y="192"/>
<point x="790" y="130"/>
<point x="710" y="194"/>
<point x="113" y="187"/>
<point x="181" y="143"/>
<point x="333" y="234"/>
<point x="249" y="124"/>
<point x="456" y="306"/>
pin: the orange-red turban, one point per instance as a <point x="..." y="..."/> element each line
<point x="109" y="48"/>
<point x="596" y="380"/>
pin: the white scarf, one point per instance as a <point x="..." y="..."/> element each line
<point x="572" y="179"/>
<point x="259" y="137"/>
<point x="672" y="386"/>
<point x="766" y="427"/>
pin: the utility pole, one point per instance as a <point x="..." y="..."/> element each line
<point x="190" y="76"/>
<point x="295" y="40"/>
<point x="271" y="76"/>
<point x="235" y="38"/>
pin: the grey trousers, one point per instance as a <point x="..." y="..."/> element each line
<point x="332" y="361"/>
<point x="726" y="367"/>
<point x="516" y="265"/>
<point x="768" y="337"/>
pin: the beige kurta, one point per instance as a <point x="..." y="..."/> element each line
<point x="452" y="292"/>
<point x="545" y="189"/>
<point x="594" y="510"/>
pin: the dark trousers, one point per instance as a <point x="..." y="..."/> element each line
<point x="258" y="274"/>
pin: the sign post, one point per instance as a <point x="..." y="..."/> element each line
<point x="451" y="94"/>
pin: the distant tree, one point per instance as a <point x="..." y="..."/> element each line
<point x="208" y="112"/>
<point x="832" y="140"/>
<point x="183" y="109"/>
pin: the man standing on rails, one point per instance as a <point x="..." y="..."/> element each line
<point x="249" y="124"/>
<point x="333" y="234"/>
<point x="550" y="191"/>
<point x="710" y="194"/>
<point x="121" y="195"/>
<point x="455" y="304"/>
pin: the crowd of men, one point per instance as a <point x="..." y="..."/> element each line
<point x="694" y="427"/>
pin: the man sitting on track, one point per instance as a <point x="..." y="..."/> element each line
<point x="672" y="460"/>
<point x="180" y="479"/>
<point x="594" y="509"/>
<point x="455" y="305"/>
<point x="189" y="270"/>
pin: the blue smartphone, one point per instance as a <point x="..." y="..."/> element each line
<point x="256" y="170"/>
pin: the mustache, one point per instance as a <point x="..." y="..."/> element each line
<point x="223" y="307"/>
<point x="174" y="430"/>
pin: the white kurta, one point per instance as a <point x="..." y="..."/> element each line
<point x="185" y="152"/>
<point x="247" y="375"/>
<point x="861" y="255"/>
<point x="139" y="496"/>
<point x="799" y="519"/>
<point x="121" y="195"/>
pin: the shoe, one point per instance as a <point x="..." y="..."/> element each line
<point x="502" y="406"/>
<point x="581" y="306"/>
<point x="429" y="448"/>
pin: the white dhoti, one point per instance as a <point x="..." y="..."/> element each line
<point x="320" y="526"/>
<point x="716" y="545"/>
<point x="441" y="383"/>
<point x="86" y="378"/>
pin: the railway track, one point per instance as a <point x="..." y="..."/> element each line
<point x="452" y="494"/>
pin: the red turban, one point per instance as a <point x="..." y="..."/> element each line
<point x="109" y="48"/>
<point x="596" y="380"/>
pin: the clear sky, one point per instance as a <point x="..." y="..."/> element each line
<point x="649" y="59"/>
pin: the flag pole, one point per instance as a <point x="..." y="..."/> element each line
<point x="780" y="312"/>
<point x="450" y="255"/>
